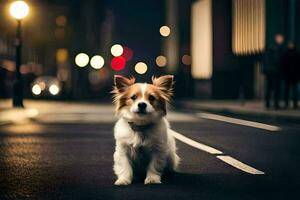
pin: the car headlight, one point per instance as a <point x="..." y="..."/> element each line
<point x="54" y="89"/>
<point x="36" y="89"/>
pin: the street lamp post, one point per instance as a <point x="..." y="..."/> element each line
<point x="19" y="10"/>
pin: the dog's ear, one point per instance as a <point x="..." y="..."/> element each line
<point x="121" y="82"/>
<point x="164" y="82"/>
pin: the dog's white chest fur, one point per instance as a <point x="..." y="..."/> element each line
<point x="151" y="136"/>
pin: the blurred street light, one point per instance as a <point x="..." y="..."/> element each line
<point x="54" y="89"/>
<point x="141" y="68"/>
<point x="42" y="85"/>
<point x="97" y="62"/>
<point x="82" y="60"/>
<point x="161" y="61"/>
<point x="18" y="10"/>
<point x="186" y="59"/>
<point x="94" y="77"/>
<point x="62" y="55"/>
<point x="127" y="53"/>
<point x="36" y="89"/>
<point x="118" y="63"/>
<point x="165" y="31"/>
<point x="116" y="50"/>
<point x="61" y="21"/>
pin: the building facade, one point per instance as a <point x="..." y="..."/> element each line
<point x="229" y="38"/>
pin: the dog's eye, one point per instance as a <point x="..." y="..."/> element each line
<point x="134" y="97"/>
<point x="151" y="98"/>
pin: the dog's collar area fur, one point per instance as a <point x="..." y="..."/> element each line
<point x="139" y="128"/>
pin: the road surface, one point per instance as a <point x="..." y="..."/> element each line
<point x="66" y="153"/>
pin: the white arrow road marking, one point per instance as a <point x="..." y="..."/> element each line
<point x="227" y="159"/>
<point x="239" y="121"/>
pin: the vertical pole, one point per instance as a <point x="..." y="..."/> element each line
<point x="291" y="21"/>
<point x="18" y="83"/>
<point x="172" y="41"/>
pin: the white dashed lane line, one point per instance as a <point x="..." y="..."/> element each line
<point x="219" y="154"/>
<point x="239" y="165"/>
<point x="195" y="144"/>
<point x="239" y="122"/>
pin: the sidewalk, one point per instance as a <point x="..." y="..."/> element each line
<point x="250" y="108"/>
<point x="9" y="115"/>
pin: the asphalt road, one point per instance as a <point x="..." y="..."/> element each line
<point x="66" y="153"/>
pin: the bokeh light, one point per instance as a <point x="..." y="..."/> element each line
<point x="19" y="9"/>
<point x="82" y="60"/>
<point x="54" y="89"/>
<point x="42" y="85"/>
<point x="61" y="20"/>
<point x="62" y="55"/>
<point x="161" y="61"/>
<point x="36" y="90"/>
<point x="116" y="50"/>
<point x="165" y="31"/>
<point x="186" y="59"/>
<point x="25" y="69"/>
<point x="94" y="77"/>
<point x="97" y="62"/>
<point x="141" y="68"/>
<point x="127" y="53"/>
<point x="118" y="63"/>
<point x="104" y="74"/>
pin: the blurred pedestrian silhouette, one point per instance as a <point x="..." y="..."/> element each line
<point x="290" y="72"/>
<point x="271" y="69"/>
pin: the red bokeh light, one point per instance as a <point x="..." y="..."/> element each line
<point x="127" y="53"/>
<point x="118" y="63"/>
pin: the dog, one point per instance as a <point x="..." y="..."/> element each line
<point x="143" y="142"/>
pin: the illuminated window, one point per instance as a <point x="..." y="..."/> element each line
<point x="248" y="27"/>
<point x="202" y="39"/>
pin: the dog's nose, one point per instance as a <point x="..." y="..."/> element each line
<point x="142" y="106"/>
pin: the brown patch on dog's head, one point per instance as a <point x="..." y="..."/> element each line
<point x="121" y="84"/>
<point x="165" y="85"/>
<point x="164" y="90"/>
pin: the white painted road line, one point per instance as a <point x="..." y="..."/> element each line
<point x="195" y="144"/>
<point x="227" y="159"/>
<point x="239" y="165"/>
<point x="239" y="121"/>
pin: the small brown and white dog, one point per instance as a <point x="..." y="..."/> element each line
<point x="143" y="141"/>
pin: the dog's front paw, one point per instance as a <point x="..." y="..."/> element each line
<point x="122" y="181"/>
<point x="152" y="180"/>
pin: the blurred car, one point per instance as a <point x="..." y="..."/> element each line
<point x="46" y="86"/>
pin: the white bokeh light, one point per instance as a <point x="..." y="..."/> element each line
<point x="116" y="50"/>
<point x="97" y="62"/>
<point x="36" y="89"/>
<point x="82" y="60"/>
<point x="54" y="89"/>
